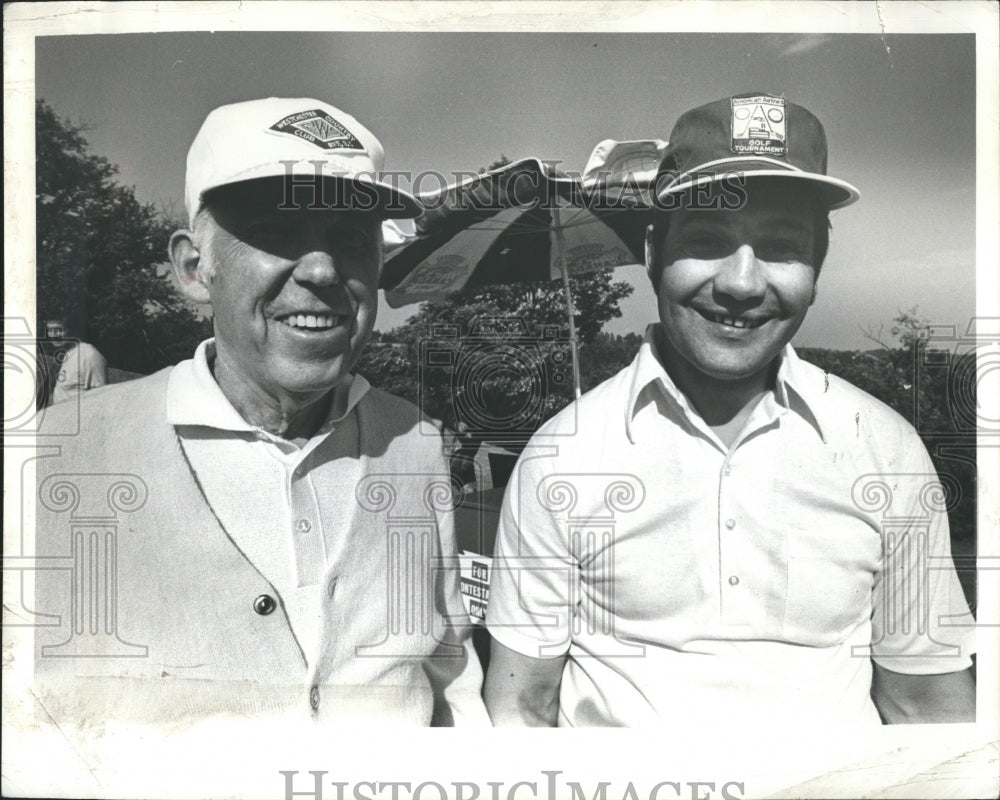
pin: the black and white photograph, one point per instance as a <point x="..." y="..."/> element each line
<point x="374" y="367"/>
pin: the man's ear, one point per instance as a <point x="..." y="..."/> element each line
<point x="186" y="260"/>
<point x="649" y="251"/>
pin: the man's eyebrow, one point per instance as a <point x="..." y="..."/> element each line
<point x="783" y="223"/>
<point x="784" y="226"/>
<point x="708" y="223"/>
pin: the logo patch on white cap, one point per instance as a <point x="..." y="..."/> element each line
<point x="759" y="126"/>
<point x="318" y="128"/>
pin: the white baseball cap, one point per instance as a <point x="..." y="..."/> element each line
<point x="280" y="136"/>
<point x="614" y="162"/>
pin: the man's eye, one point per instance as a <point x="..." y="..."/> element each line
<point x="264" y="232"/>
<point x="781" y="250"/>
<point x="706" y="246"/>
<point x="352" y="237"/>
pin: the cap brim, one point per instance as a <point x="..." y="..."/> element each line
<point x="367" y="195"/>
<point x="837" y="193"/>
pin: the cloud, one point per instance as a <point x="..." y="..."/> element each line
<point x="806" y="43"/>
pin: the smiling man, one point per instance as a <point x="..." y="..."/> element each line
<point x="705" y="538"/>
<point x="250" y="564"/>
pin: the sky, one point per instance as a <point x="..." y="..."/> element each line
<point x="899" y="114"/>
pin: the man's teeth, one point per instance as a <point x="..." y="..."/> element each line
<point x="311" y="320"/>
<point x="734" y="322"/>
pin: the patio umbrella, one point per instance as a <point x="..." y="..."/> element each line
<point x="526" y="222"/>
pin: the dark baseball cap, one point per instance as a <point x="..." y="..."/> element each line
<point x="749" y="135"/>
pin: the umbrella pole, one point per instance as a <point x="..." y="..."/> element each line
<point x="561" y="254"/>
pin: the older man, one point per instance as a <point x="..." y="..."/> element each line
<point x="732" y="536"/>
<point x="240" y="553"/>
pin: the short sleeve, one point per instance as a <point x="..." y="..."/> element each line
<point x="534" y="583"/>
<point x="921" y="623"/>
<point x="94" y="369"/>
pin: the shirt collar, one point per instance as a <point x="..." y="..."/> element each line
<point x="194" y="398"/>
<point x="796" y="390"/>
<point x="793" y="387"/>
<point x="647" y="369"/>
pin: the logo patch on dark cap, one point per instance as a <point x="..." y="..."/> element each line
<point x="318" y="128"/>
<point x="759" y="126"/>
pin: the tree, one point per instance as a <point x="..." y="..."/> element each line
<point x="606" y="355"/>
<point x="501" y="353"/>
<point x="911" y="328"/>
<point x="100" y="255"/>
<point x="498" y="354"/>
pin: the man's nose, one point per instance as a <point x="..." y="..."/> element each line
<point x="740" y="275"/>
<point x="317" y="266"/>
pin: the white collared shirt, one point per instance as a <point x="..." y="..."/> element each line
<point x="685" y="580"/>
<point x="260" y="486"/>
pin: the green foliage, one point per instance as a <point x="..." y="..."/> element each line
<point x="518" y="364"/>
<point x="911" y="377"/>
<point x="100" y="254"/>
<point x="605" y="356"/>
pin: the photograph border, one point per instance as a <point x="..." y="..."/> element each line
<point x="497" y="758"/>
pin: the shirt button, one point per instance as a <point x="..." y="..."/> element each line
<point x="730" y="523"/>
<point x="733" y="580"/>
<point x="726" y="471"/>
<point x="264" y="605"/>
<point x="303" y="525"/>
<point x="314" y="698"/>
